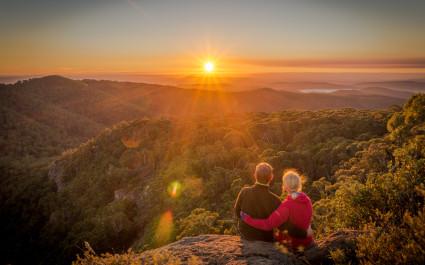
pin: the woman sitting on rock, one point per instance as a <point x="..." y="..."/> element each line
<point x="296" y="208"/>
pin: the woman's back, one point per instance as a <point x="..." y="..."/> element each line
<point x="300" y="209"/>
<point x="300" y="214"/>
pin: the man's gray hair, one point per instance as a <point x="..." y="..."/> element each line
<point x="263" y="172"/>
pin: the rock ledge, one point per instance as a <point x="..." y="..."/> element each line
<point x="225" y="249"/>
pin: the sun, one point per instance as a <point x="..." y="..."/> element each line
<point x="209" y="67"/>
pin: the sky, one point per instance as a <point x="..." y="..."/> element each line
<point x="240" y="36"/>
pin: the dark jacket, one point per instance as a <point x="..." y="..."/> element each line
<point x="259" y="202"/>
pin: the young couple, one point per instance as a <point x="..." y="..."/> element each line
<point x="259" y="211"/>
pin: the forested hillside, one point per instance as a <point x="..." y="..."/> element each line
<point x="379" y="192"/>
<point x="41" y="117"/>
<point x="114" y="190"/>
<point x="148" y="181"/>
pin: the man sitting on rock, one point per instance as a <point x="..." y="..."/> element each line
<point x="259" y="202"/>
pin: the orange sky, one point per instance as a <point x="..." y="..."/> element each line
<point x="166" y="37"/>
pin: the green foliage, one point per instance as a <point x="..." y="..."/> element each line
<point x="381" y="191"/>
<point x="200" y="221"/>
<point x="394" y="244"/>
<point x="339" y="257"/>
<point x="89" y="257"/>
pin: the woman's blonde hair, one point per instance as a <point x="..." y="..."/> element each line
<point x="292" y="179"/>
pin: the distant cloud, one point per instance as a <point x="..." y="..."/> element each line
<point x="340" y="63"/>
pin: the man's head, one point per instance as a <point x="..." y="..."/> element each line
<point x="263" y="173"/>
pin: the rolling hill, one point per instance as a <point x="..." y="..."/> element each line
<point x="72" y="111"/>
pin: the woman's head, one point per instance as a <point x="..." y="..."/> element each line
<point x="291" y="181"/>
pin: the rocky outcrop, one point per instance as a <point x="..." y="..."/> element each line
<point x="224" y="249"/>
<point x="218" y="249"/>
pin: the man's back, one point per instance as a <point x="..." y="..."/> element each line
<point x="258" y="202"/>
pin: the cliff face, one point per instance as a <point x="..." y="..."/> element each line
<point x="223" y="249"/>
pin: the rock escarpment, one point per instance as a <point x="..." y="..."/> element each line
<point x="224" y="249"/>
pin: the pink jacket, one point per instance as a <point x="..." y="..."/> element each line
<point x="298" y="211"/>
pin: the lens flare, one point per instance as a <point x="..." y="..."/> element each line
<point x="165" y="229"/>
<point x="130" y="141"/>
<point x="174" y="189"/>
